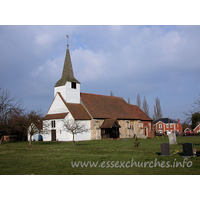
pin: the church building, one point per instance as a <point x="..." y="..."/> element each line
<point x="104" y="116"/>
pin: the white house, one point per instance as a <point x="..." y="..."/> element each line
<point x="103" y="116"/>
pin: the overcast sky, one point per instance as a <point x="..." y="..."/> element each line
<point x="154" y="61"/>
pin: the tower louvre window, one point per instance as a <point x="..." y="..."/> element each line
<point x="73" y="85"/>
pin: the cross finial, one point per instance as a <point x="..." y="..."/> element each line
<point x="67" y="41"/>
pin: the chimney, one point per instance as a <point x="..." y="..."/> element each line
<point x="179" y="121"/>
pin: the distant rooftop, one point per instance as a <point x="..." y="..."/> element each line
<point x="165" y="121"/>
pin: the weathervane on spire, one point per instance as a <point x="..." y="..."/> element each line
<point x="67" y="41"/>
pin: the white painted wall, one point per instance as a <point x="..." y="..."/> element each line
<point x="57" y="106"/>
<point x="61" y="133"/>
<point x="72" y="95"/>
<point x="46" y="130"/>
<point x="85" y="135"/>
<point x="69" y="94"/>
<point x="61" y="89"/>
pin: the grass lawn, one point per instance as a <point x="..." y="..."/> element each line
<point x="112" y="156"/>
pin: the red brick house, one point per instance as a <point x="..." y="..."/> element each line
<point x="165" y="125"/>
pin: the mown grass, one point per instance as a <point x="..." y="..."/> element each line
<point x="49" y="158"/>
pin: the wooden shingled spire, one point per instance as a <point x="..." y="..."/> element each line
<point x="67" y="74"/>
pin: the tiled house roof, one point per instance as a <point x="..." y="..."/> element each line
<point x="165" y="121"/>
<point x="105" y="107"/>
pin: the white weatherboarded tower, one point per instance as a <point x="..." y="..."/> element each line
<point x="66" y="106"/>
<point x="68" y="86"/>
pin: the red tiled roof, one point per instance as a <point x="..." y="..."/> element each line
<point x="55" y="116"/>
<point x="140" y="113"/>
<point x="104" y="107"/>
<point x="77" y="110"/>
<point x="100" y="107"/>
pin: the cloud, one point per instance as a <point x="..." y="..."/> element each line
<point x="51" y="68"/>
<point x="88" y="65"/>
<point x="43" y="40"/>
<point x="154" y="61"/>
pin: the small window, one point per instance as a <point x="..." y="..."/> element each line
<point x="73" y="85"/>
<point x="53" y="124"/>
<point x="167" y="125"/>
<point x="128" y="124"/>
<point x="170" y="125"/>
<point x="160" y="125"/>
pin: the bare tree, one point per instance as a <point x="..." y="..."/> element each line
<point x="195" y="109"/>
<point x="32" y="130"/>
<point x="145" y="107"/>
<point x="138" y="102"/>
<point x="75" y="127"/>
<point x="157" y="109"/>
<point x="17" y="125"/>
<point x="196" y="105"/>
<point x="8" y="107"/>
